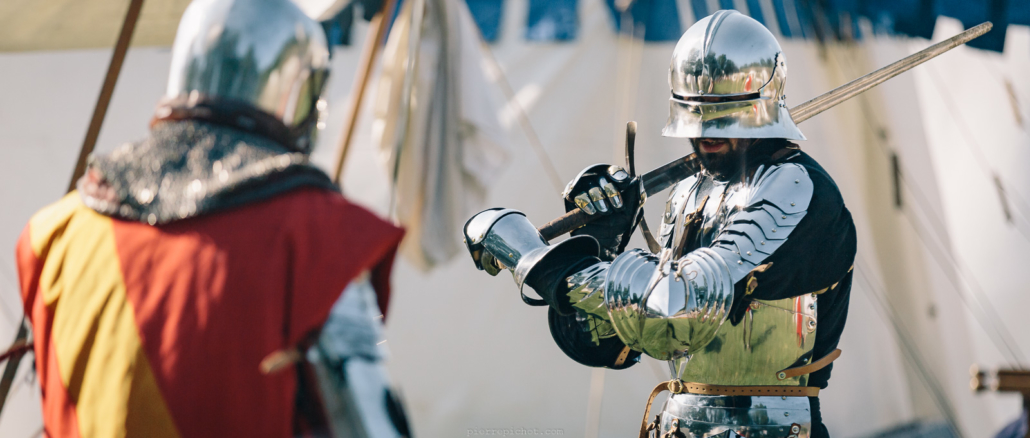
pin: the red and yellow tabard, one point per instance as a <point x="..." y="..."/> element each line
<point x="158" y="331"/>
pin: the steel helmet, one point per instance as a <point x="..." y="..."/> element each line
<point x="266" y="55"/>
<point x="727" y="77"/>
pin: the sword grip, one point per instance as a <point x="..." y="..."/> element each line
<point x="565" y="224"/>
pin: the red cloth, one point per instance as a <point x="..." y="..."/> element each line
<point x="213" y="295"/>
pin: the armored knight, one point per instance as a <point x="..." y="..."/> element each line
<point x="746" y="289"/>
<point x="179" y="289"/>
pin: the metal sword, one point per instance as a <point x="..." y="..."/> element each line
<point x="661" y="178"/>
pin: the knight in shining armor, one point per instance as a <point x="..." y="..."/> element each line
<point x="745" y="291"/>
<point x="184" y="289"/>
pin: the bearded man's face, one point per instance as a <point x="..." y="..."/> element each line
<point x="722" y="157"/>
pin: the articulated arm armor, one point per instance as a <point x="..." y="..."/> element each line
<point x="667" y="305"/>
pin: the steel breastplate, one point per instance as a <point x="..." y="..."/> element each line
<point x="773" y="335"/>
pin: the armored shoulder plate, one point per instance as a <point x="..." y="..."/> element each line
<point x="760" y="215"/>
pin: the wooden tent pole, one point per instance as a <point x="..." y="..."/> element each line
<point x="373" y="41"/>
<point x="120" y="49"/>
<point x="20" y="347"/>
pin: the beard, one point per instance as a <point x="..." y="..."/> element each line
<point x="725" y="163"/>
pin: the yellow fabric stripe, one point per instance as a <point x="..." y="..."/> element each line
<point x="95" y="338"/>
<point x="48" y="223"/>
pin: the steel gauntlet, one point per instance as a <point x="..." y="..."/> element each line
<point x="608" y="192"/>
<point x="506" y="237"/>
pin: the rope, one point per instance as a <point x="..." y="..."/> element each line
<point x="524" y="122"/>
<point x="951" y="264"/>
<point x="974" y="147"/>
<point x="909" y="348"/>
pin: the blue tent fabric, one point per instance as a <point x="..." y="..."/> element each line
<point x="912" y="17"/>
<point x="659" y="18"/>
<point x="1019" y="12"/>
<point x="789" y="26"/>
<point x="1016" y="429"/>
<point x="552" y="20"/>
<point x="558" y="20"/>
<point x="487" y="15"/>
<point x="700" y="9"/>
<point x="338" y="29"/>
<point x="755" y="10"/>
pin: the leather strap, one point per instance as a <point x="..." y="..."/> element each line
<point x="622" y="356"/>
<point x="673" y="386"/>
<point x="810" y="368"/>
<point x="792" y="391"/>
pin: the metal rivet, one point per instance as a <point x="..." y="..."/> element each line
<point x="784" y="397"/>
<point x="795" y="429"/>
<point x="784" y="216"/>
<point x="786" y="414"/>
<point x="797" y="181"/>
<point x="782" y="375"/>
<point x="749" y="253"/>
<point x="774" y="230"/>
<point x="763" y="242"/>
<point x="791" y="204"/>
<point x="740" y="262"/>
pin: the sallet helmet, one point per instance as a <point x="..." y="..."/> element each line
<point x="727" y="77"/>
<point x="265" y="55"/>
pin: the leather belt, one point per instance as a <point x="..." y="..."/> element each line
<point x="792" y="391"/>
<point x="676" y="386"/>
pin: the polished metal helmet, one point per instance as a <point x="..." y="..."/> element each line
<point x="727" y="78"/>
<point x="261" y="54"/>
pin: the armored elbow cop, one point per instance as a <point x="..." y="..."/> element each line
<point x="668" y="308"/>
<point x="507" y="236"/>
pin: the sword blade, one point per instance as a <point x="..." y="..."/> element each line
<point x="844" y="92"/>
<point x="682" y="168"/>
